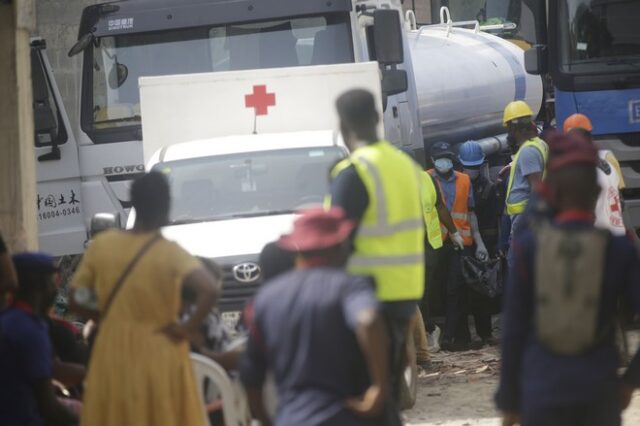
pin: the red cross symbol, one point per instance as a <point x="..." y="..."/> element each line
<point x="260" y="100"/>
<point x="614" y="206"/>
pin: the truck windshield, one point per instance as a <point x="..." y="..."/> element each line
<point x="118" y="61"/>
<point x="491" y="12"/>
<point x="599" y="36"/>
<point x="248" y="184"/>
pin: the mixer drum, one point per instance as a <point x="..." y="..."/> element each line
<point x="465" y="79"/>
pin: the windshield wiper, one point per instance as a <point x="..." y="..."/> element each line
<point x="197" y="220"/>
<point x="188" y="221"/>
<point x="119" y="120"/>
<point x="263" y="213"/>
<point x="633" y="61"/>
<point x="625" y="61"/>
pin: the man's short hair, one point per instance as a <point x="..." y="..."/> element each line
<point x="357" y="109"/>
<point x="150" y="197"/>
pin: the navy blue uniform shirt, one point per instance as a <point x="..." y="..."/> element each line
<point x="25" y="358"/>
<point x="303" y="331"/>
<point x="532" y="377"/>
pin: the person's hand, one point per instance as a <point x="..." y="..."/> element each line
<point x="481" y="253"/>
<point x="458" y="242"/>
<point x="626" y="392"/>
<point x="176" y="332"/>
<point x="368" y="405"/>
<point x="510" y="419"/>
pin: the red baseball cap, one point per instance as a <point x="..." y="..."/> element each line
<point x="317" y="229"/>
<point x="569" y="150"/>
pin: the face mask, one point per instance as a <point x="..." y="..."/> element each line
<point x="473" y="173"/>
<point x="443" y="165"/>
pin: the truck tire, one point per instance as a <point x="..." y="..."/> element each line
<point x="409" y="377"/>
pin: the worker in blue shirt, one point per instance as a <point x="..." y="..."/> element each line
<point x="457" y="193"/>
<point x="320" y="331"/>
<point x="559" y="358"/>
<point x="26" y="354"/>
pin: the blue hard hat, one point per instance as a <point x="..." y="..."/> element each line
<point x="440" y="150"/>
<point x="471" y="154"/>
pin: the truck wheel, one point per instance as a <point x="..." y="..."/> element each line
<point x="409" y="377"/>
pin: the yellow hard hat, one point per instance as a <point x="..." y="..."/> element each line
<point x="516" y="109"/>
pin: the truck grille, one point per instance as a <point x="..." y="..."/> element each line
<point x="235" y="294"/>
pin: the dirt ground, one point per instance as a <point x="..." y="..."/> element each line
<point x="459" y="392"/>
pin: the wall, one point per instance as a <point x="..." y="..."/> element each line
<point x="57" y="22"/>
<point x="17" y="172"/>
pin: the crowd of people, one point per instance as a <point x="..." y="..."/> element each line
<point x="345" y="290"/>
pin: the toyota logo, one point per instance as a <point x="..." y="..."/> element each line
<point x="246" y="272"/>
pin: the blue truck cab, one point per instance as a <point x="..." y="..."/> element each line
<point x="591" y="51"/>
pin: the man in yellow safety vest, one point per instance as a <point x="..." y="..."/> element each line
<point x="529" y="161"/>
<point x="380" y="187"/>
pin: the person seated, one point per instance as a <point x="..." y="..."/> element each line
<point x="27" y="394"/>
<point x="211" y="339"/>
<point x="70" y="355"/>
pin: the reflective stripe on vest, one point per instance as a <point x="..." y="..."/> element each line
<point x="431" y="219"/>
<point x="459" y="208"/>
<point x="541" y="146"/>
<point x="389" y="243"/>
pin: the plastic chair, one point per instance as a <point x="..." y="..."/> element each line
<point x="234" y="402"/>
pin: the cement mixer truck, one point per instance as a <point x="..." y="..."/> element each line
<point x="440" y="82"/>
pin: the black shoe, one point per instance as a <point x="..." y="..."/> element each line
<point x="474" y="345"/>
<point x="447" y="345"/>
<point x="425" y="365"/>
<point x="454" y="346"/>
<point x="489" y="341"/>
<point x="461" y="346"/>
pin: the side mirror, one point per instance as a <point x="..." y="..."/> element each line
<point x="387" y="37"/>
<point x="536" y="60"/>
<point x="118" y="75"/>
<point x="82" y="43"/>
<point x="394" y="82"/>
<point x="103" y="221"/>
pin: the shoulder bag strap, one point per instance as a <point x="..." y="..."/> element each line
<point x="126" y="272"/>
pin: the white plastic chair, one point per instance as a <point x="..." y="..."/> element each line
<point x="234" y="401"/>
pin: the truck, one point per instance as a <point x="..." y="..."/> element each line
<point x="258" y="149"/>
<point x="588" y="53"/>
<point x="426" y="94"/>
<point x="591" y="51"/>
<point x="438" y="82"/>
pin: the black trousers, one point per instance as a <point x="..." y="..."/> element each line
<point x="430" y="286"/>
<point x="602" y="412"/>
<point x="398" y="331"/>
<point x="449" y="271"/>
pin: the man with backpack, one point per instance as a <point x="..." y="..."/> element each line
<point x="559" y="359"/>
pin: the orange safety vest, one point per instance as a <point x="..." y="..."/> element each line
<point x="460" y="208"/>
